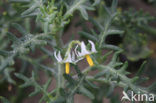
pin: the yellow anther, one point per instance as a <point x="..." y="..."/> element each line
<point x="89" y="60"/>
<point x="67" y="67"/>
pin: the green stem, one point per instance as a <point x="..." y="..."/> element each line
<point x="60" y="79"/>
<point x="104" y="33"/>
<point x="124" y="83"/>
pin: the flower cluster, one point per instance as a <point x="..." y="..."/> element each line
<point x="70" y="56"/>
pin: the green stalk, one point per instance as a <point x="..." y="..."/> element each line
<point x="60" y="79"/>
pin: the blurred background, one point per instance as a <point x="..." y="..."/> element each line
<point x="136" y="18"/>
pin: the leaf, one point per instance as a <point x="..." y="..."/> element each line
<point x="7" y="72"/>
<point x="96" y="2"/>
<point x="87" y="35"/>
<point x="20" y="29"/>
<point x="91" y="84"/>
<point x="78" y="71"/>
<point x="123" y="68"/>
<point x="70" y="79"/>
<point x="114" y="58"/>
<point x="86" y="92"/>
<point x="83" y="13"/>
<point x="31" y="10"/>
<point x="112" y="47"/>
<point x="34" y="92"/>
<point x="141" y="69"/>
<point x="13" y="38"/>
<point x="4" y="53"/>
<point x="25" y="1"/>
<point x="114" y="5"/>
<point x="117" y="32"/>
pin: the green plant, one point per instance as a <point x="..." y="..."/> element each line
<point x="52" y="18"/>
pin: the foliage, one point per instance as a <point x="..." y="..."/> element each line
<point x="52" y="18"/>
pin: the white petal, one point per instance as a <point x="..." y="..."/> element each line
<point x="55" y="55"/>
<point x="73" y="56"/>
<point x="59" y="56"/>
<point x="68" y="59"/>
<point x="84" y="51"/>
<point x="78" y="59"/>
<point x="76" y="52"/>
<point x="92" y="46"/>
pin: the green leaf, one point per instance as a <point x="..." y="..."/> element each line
<point x="96" y="2"/>
<point x="116" y="32"/>
<point x="86" y="92"/>
<point x="70" y="79"/>
<point x="141" y="69"/>
<point x="4" y="53"/>
<point x="13" y="38"/>
<point x="19" y="1"/>
<point x="20" y="29"/>
<point x="34" y="92"/>
<point x="114" y="5"/>
<point x="112" y="47"/>
<point x="31" y="11"/>
<point x="87" y="35"/>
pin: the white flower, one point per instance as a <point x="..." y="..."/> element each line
<point x="67" y="60"/>
<point x="84" y="50"/>
<point x="86" y="53"/>
<point x="68" y="57"/>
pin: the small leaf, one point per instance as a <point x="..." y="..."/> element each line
<point x="70" y="79"/>
<point x="20" y="29"/>
<point x="86" y="92"/>
<point x="13" y="37"/>
<point x="19" y="1"/>
<point x="84" y="13"/>
<point x="96" y="2"/>
<point x="87" y="35"/>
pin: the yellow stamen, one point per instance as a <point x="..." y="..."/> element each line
<point x="67" y="68"/>
<point x="89" y="60"/>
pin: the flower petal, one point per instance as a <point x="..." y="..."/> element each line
<point x="73" y="56"/>
<point x="92" y="46"/>
<point x="59" y="57"/>
<point x="76" y="51"/>
<point x="68" y="59"/>
<point x="84" y="51"/>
